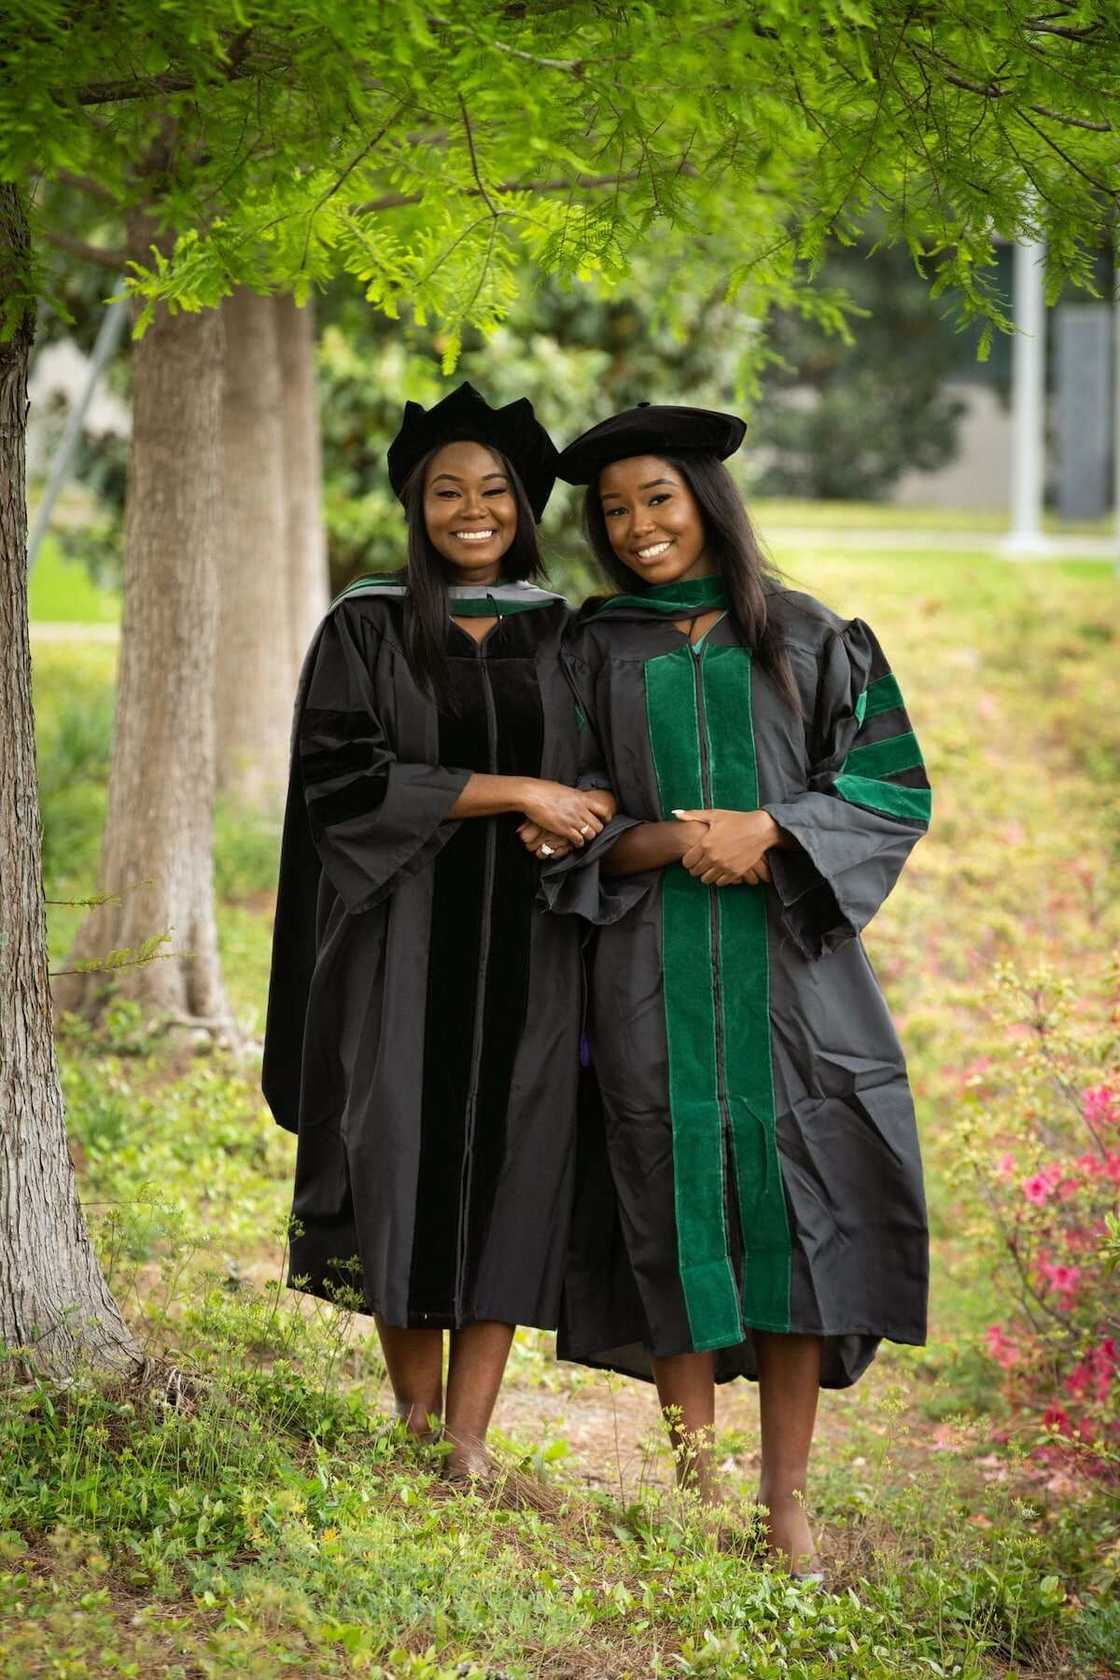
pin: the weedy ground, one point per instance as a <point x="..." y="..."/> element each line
<point x="268" y="1520"/>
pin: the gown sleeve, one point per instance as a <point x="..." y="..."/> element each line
<point x="373" y="819"/>
<point x="576" y="885"/>
<point x="867" y="802"/>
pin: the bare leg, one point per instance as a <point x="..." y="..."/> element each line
<point x="414" y="1361"/>
<point x="789" y="1369"/>
<point x="474" y="1376"/>
<point x="687" y="1392"/>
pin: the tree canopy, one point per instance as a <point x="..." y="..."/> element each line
<point x="429" y="153"/>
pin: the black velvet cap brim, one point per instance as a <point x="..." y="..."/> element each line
<point x="652" y="429"/>
<point x="466" y="417"/>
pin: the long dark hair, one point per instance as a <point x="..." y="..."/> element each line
<point x="733" y="547"/>
<point x="428" y="574"/>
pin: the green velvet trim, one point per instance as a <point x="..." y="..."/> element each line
<point x="745" y="999"/>
<point x="581" y="719"/>
<point x="707" y="1278"/>
<point x="861" y="707"/>
<point x="671" y="600"/>
<point x="883" y="695"/>
<point x="493" y="606"/>
<point x="884" y="758"/>
<point x="375" y="583"/>
<point x="915" y="804"/>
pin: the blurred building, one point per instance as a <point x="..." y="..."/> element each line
<point x="1081" y="360"/>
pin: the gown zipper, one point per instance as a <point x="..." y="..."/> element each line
<point x="480" y="995"/>
<point x="727" y="1156"/>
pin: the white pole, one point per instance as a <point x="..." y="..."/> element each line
<point x="1028" y="401"/>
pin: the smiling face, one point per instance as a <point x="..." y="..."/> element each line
<point x="652" y="520"/>
<point x="469" y="510"/>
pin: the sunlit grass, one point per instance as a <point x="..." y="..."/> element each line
<point x="60" y="590"/>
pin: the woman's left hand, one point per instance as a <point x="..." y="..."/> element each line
<point x="732" y="848"/>
<point x="533" y="837"/>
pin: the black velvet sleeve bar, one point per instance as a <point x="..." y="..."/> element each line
<point x="373" y="819"/>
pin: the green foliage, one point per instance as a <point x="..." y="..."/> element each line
<point x="74" y="718"/>
<point x="846" y="419"/>
<point x="246" y="846"/>
<point x="262" y="1498"/>
<point x="428" y="156"/>
<point x="1040" y="1145"/>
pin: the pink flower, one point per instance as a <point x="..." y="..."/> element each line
<point x="1063" y="1279"/>
<point x="1112" y="1167"/>
<point x="1002" y="1350"/>
<point x="1099" y="1106"/>
<point x="1095" y="1372"/>
<point x="1091" y="1165"/>
<point x="1036" y="1189"/>
<point x="1106" y="1353"/>
<point x="1055" y="1417"/>
<point x="1052" y="1172"/>
<point x="1005" y="1166"/>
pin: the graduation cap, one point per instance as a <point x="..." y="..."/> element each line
<point x="650" y="429"/>
<point x="466" y="417"/>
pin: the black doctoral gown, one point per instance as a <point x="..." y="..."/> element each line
<point x="758" y="1166"/>
<point x="423" y="1014"/>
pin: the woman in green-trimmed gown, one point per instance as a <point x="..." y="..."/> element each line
<point x="757" y="1209"/>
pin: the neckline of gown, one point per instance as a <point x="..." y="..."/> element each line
<point x="473" y="600"/>
<point x="688" y="599"/>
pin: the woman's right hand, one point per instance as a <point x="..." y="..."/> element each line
<point x="574" y="814"/>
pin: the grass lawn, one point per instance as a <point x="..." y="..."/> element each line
<point x="62" y="591"/>
<point x="277" y="1524"/>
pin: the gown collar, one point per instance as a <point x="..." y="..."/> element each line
<point x="669" y="600"/>
<point x="466" y="600"/>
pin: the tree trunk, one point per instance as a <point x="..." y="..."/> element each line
<point x="54" y="1302"/>
<point x="308" y="588"/>
<point x="157" y="851"/>
<point x="254" y="690"/>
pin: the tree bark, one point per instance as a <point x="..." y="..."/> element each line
<point x="254" y="690"/>
<point x="157" y="849"/>
<point x="54" y="1302"/>
<point x="308" y="587"/>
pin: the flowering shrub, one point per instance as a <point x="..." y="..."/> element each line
<point x="1042" y="1141"/>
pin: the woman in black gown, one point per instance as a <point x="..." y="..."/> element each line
<point x="423" y="1018"/>
<point x="757" y="1206"/>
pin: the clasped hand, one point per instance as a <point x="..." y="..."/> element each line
<point x="560" y="817"/>
<point x="730" y="848"/>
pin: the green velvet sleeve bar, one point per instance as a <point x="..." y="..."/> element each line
<point x="866" y="803"/>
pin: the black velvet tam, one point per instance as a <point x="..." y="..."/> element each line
<point x="650" y="429"/>
<point x="466" y="417"/>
